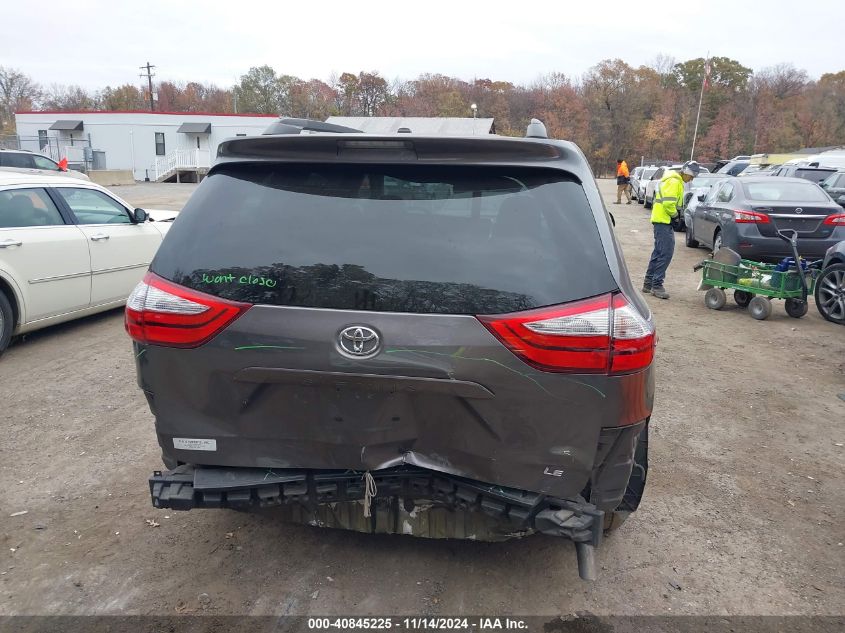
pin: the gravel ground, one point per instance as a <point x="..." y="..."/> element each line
<point x="743" y="512"/>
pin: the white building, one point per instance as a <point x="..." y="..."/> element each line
<point x="152" y="145"/>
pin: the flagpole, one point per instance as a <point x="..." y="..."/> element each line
<point x="700" y="100"/>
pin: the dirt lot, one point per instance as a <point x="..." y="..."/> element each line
<point x="743" y="512"/>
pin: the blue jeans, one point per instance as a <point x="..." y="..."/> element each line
<point x="664" y="248"/>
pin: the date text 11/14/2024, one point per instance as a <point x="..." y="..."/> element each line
<point x="418" y="623"/>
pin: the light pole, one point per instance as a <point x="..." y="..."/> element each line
<point x="474" y="109"/>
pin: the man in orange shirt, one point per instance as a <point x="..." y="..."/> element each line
<point x="622" y="181"/>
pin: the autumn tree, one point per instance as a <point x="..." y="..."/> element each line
<point x="17" y="92"/>
<point x="125" y="97"/>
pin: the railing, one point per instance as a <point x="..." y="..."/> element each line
<point x="181" y="159"/>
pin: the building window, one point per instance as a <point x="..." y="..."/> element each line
<point x="159" y="143"/>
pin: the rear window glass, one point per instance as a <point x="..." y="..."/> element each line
<point x="430" y="239"/>
<point x="813" y="175"/>
<point x="774" y="190"/>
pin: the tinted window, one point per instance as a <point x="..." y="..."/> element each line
<point x="27" y="207"/>
<point x="725" y="193"/>
<point x="44" y="163"/>
<point x="12" y="159"/>
<point x="774" y="190"/>
<point x="94" y="207"/>
<point x="813" y="175"/>
<point x="648" y="173"/>
<point x="398" y="238"/>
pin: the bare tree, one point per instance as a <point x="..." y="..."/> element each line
<point x="17" y="92"/>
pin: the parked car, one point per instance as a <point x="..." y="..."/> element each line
<point x="834" y="185"/>
<point x="733" y="167"/>
<point x="639" y="180"/>
<point x="745" y="214"/>
<point x="830" y="286"/>
<point x="332" y="321"/>
<point x="813" y="174"/>
<point x="31" y="163"/>
<point x="68" y="248"/>
<point x="698" y="186"/>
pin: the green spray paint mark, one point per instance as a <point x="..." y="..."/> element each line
<point x="243" y="347"/>
<point x="243" y="280"/>
<point x="141" y="353"/>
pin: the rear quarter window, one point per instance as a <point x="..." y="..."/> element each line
<point x="427" y="239"/>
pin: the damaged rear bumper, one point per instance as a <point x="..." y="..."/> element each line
<point x="407" y="500"/>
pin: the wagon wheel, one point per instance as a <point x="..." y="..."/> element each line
<point x="742" y="298"/>
<point x="715" y="298"/>
<point x="796" y="308"/>
<point x="760" y="308"/>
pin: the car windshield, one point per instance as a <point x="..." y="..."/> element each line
<point x="775" y="191"/>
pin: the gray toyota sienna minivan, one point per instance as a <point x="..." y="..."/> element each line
<point x="397" y="326"/>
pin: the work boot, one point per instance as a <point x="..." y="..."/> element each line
<point x="646" y="288"/>
<point x="659" y="292"/>
<point x="629" y="202"/>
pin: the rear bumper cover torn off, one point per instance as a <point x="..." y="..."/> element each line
<point x="408" y="500"/>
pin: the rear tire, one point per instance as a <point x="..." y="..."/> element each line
<point x="715" y="299"/>
<point x="742" y="298"/>
<point x="648" y="204"/>
<point x="796" y="308"/>
<point x="760" y="308"/>
<point x="688" y="240"/>
<point x="829" y="302"/>
<point x="717" y="241"/>
<point x="7" y="322"/>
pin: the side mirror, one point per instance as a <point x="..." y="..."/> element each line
<point x="841" y="200"/>
<point x="701" y="197"/>
<point x="139" y="216"/>
<point x="613" y="220"/>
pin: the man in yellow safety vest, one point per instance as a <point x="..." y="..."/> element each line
<point x="668" y="200"/>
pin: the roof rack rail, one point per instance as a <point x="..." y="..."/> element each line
<point x="297" y="126"/>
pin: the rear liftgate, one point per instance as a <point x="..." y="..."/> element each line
<point x="403" y="500"/>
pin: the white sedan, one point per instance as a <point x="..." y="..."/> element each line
<point x="68" y="248"/>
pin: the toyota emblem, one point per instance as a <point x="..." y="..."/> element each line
<point x="799" y="210"/>
<point x="359" y="341"/>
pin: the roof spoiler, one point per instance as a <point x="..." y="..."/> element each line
<point x="297" y="126"/>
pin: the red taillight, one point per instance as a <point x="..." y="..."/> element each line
<point x="837" y="219"/>
<point x="750" y="217"/>
<point x="602" y="335"/>
<point x="159" y="312"/>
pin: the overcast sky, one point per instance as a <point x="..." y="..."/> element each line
<point x="96" y="42"/>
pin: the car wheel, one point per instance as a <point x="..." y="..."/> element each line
<point x="717" y="241"/>
<point x="715" y="299"/>
<point x="796" y="308"/>
<point x="742" y="298"/>
<point x="830" y="293"/>
<point x="7" y="322"/>
<point x="648" y="204"/>
<point x="760" y="308"/>
<point x="688" y="239"/>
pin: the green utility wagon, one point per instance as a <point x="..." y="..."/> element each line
<point x="755" y="284"/>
